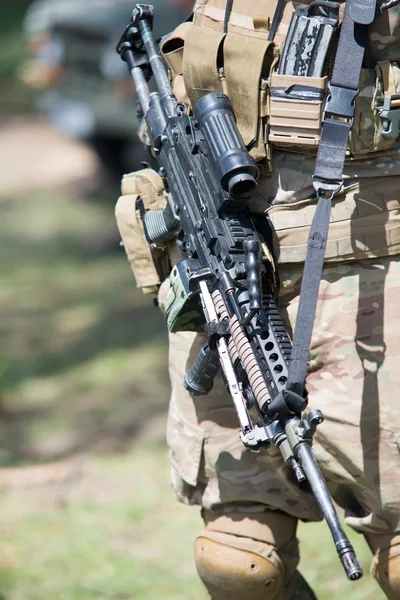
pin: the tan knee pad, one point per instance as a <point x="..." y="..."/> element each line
<point x="237" y="555"/>
<point x="231" y="573"/>
<point x="386" y="563"/>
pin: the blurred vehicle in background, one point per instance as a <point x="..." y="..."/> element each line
<point x="83" y="86"/>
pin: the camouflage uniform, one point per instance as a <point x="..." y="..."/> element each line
<point x="352" y="358"/>
<point x="352" y="378"/>
<point x="352" y="370"/>
<point x="352" y="374"/>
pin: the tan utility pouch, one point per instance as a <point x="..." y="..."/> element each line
<point x="150" y="266"/>
<point x="234" y="64"/>
<point x="202" y="62"/>
<point x="172" y="50"/>
<point x="376" y="85"/>
<point x="296" y="124"/>
<point x="295" y="120"/>
<point x="247" y="65"/>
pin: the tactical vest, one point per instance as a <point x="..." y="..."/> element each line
<point x="243" y="64"/>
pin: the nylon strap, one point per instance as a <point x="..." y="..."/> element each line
<point x="228" y="10"/>
<point x="343" y="89"/>
<point x="309" y="296"/>
<point x="275" y="21"/>
<point x="328" y="177"/>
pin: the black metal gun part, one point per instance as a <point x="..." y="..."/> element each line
<point x="211" y="177"/>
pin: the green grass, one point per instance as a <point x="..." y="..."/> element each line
<point x="83" y="374"/>
<point x="72" y="325"/>
<point x="323" y="570"/>
<point x="12" y="14"/>
<point x="118" y="536"/>
<point x="15" y="97"/>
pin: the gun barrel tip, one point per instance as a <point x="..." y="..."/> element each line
<point x="352" y="567"/>
<point x="350" y="564"/>
<point x="355" y="575"/>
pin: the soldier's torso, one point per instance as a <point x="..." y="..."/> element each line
<point x="240" y="61"/>
<point x="384" y="33"/>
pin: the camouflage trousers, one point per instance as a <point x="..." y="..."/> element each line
<point x="354" y="377"/>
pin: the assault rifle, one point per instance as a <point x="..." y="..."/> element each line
<point x="210" y="177"/>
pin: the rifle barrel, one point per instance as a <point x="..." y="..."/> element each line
<point x="323" y="497"/>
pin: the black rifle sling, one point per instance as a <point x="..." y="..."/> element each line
<point x="228" y="10"/>
<point x="328" y="177"/>
<point x="276" y="18"/>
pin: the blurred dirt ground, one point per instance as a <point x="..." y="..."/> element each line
<point x="33" y="155"/>
<point x="87" y="510"/>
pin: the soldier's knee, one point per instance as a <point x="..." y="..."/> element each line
<point x="231" y="573"/>
<point x="386" y="563"/>
<point x="237" y="556"/>
<point x="387" y="574"/>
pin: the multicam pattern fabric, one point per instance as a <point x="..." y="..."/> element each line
<point x="384" y="35"/>
<point x="366" y="135"/>
<point x="353" y="378"/>
<point x="184" y="313"/>
<point x="353" y="375"/>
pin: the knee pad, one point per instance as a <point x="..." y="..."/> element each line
<point x="240" y="557"/>
<point x="231" y="573"/>
<point x="386" y="563"/>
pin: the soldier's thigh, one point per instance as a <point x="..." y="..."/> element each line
<point x="209" y="464"/>
<point x="354" y="379"/>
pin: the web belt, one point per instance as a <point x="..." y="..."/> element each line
<point x="328" y="176"/>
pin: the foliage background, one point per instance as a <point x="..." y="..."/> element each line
<point x="86" y="510"/>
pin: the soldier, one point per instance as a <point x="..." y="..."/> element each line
<point x="250" y="505"/>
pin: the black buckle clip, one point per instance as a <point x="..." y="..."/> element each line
<point x="340" y="101"/>
<point x="390" y="117"/>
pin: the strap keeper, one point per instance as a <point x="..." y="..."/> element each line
<point x="340" y="101"/>
<point x="390" y="116"/>
<point x="326" y="189"/>
<point x="286" y="403"/>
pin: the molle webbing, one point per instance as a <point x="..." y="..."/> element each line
<point x="251" y="18"/>
<point x="364" y="225"/>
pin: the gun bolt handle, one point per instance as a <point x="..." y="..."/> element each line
<point x="252" y="250"/>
